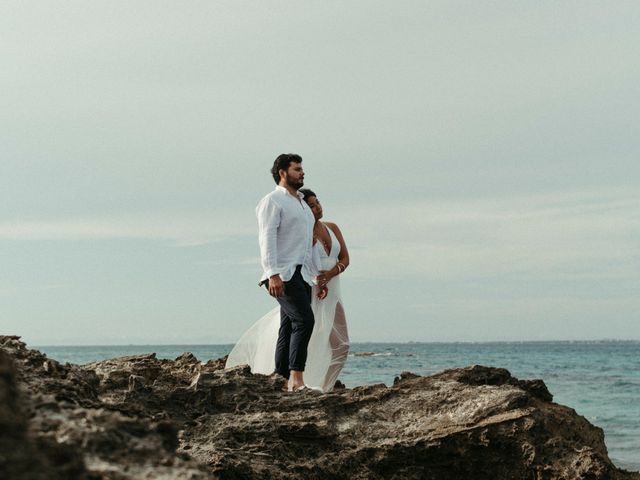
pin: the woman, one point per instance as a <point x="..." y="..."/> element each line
<point x="329" y="344"/>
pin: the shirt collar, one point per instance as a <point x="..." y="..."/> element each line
<point x="284" y="190"/>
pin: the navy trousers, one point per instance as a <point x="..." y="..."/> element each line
<point x="296" y="325"/>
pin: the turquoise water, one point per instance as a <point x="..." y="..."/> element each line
<point x="600" y="380"/>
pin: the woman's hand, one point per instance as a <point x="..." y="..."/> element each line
<point x="324" y="277"/>
<point x="322" y="293"/>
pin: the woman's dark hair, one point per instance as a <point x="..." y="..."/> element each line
<point x="282" y="163"/>
<point x="307" y="194"/>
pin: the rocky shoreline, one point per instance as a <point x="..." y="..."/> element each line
<point x="141" y="417"/>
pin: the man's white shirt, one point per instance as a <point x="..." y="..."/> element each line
<point x="285" y="234"/>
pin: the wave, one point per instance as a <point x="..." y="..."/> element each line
<point x="373" y="354"/>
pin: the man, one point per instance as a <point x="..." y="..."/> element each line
<point x="290" y="263"/>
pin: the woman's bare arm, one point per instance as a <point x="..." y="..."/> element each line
<point x="343" y="258"/>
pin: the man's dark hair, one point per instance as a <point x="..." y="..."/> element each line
<point x="282" y="163"/>
<point x="307" y="194"/>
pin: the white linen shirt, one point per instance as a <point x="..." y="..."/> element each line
<point x="285" y="234"/>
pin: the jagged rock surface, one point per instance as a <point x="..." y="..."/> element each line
<point x="141" y="417"/>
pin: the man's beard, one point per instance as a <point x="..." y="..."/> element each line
<point x="294" y="183"/>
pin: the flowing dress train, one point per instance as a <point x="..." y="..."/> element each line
<point x="329" y="343"/>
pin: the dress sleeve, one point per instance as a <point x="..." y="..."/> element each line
<point x="268" y="213"/>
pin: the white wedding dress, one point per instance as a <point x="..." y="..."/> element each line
<point x="329" y="343"/>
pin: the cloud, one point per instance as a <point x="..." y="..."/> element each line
<point x="55" y="286"/>
<point x="576" y="234"/>
<point x="570" y="234"/>
<point x="184" y="228"/>
<point x="579" y="234"/>
<point x="240" y="262"/>
<point x="8" y="291"/>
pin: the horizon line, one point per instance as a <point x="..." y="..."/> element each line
<point x="407" y="342"/>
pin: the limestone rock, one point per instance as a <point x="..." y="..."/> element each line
<point x="142" y="417"/>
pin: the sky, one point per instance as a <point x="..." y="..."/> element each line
<point x="480" y="158"/>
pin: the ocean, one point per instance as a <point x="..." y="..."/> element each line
<point x="600" y="380"/>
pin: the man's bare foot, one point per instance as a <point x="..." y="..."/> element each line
<point x="297" y="380"/>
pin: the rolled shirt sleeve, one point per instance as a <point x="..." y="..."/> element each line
<point x="268" y="213"/>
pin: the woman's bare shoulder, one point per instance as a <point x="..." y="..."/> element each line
<point x="332" y="226"/>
